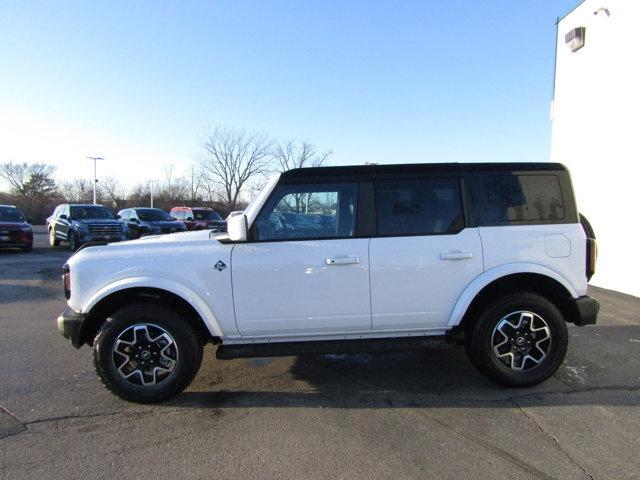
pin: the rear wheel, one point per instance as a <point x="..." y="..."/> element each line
<point x="146" y="353"/>
<point x="73" y="242"/>
<point x="519" y="340"/>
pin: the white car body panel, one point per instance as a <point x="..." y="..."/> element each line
<point x="540" y="244"/>
<point x="181" y="263"/>
<point x="285" y="288"/>
<point x="416" y="280"/>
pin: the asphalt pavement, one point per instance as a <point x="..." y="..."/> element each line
<point x="421" y="414"/>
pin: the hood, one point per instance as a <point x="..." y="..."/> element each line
<point x="12" y="225"/>
<point x="155" y="246"/>
<point x="89" y="221"/>
<point x="164" y="223"/>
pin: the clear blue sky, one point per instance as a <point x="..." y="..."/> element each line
<point x="374" y="81"/>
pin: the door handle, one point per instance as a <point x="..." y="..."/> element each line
<point x="342" y="261"/>
<point x="456" y="256"/>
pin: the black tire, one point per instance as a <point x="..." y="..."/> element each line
<point x="27" y="249"/>
<point x="73" y="241"/>
<point x="480" y="351"/>
<point x="188" y="357"/>
<point x="53" y="241"/>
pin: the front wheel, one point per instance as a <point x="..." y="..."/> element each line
<point x="53" y="241"/>
<point x="519" y="340"/>
<point x="146" y="353"/>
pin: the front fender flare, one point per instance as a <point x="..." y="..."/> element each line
<point x="162" y="284"/>
<point x="484" y="279"/>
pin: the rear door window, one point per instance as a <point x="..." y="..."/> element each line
<point x="422" y="206"/>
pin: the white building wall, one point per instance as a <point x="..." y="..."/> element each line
<point x="596" y="131"/>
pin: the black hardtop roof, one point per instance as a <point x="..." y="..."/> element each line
<point x="418" y="168"/>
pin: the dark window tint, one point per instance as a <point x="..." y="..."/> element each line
<point x="152" y="214"/>
<point x="309" y="211"/>
<point x="9" y="214"/>
<point x="206" y="215"/>
<point x="90" y="212"/>
<point x="521" y="198"/>
<point x="419" y="206"/>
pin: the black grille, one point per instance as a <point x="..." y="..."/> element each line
<point x="105" y="230"/>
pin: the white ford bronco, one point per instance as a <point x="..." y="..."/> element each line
<point x="345" y="259"/>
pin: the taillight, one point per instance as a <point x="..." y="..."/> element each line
<point x="592" y="257"/>
<point x="66" y="281"/>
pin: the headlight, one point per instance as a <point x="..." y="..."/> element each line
<point x="82" y="227"/>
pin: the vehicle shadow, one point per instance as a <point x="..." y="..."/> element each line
<point x="440" y="377"/>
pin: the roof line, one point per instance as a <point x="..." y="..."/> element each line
<point x="562" y="17"/>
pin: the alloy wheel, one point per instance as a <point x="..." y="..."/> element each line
<point x="145" y="354"/>
<point x="521" y="341"/>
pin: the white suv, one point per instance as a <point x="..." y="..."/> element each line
<point x="342" y="259"/>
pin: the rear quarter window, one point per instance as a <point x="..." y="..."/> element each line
<point x="518" y="199"/>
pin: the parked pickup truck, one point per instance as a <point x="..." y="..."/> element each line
<point x="378" y="258"/>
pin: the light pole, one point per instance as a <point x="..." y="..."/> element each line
<point x="151" y="182"/>
<point x="95" y="175"/>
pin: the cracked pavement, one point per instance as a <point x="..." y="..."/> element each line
<point x="420" y="414"/>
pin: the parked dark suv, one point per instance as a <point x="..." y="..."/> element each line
<point x="199" y="218"/>
<point x="149" y="221"/>
<point x="80" y="224"/>
<point x="15" y="231"/>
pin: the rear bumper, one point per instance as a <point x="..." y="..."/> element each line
<point x="70" y="325"/>
<point x="586" y="310"/>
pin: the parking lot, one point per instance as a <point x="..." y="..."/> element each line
<point x="422" y="414"/>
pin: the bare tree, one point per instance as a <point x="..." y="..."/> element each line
<point x="292" y="154"/>
<point x="195" y="181"/>
<point x="231" y="158"/>
<point x="78" y="190"/>
<point x="115" y="192"/>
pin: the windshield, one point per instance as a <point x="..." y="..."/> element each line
<point x="152" y="215"/>
<point x="9" y="214"/>
<point x="206" y="215"/>
<point x="90" y="211"/>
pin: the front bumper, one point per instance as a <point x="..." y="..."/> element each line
<point x="91" y="238"/>
<point x="586" y="309"/>
<point x="70" y="325"/>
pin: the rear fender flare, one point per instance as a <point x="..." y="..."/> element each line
<point x="484" y="279"/>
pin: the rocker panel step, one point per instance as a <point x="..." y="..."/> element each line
<point x="323" y="347"/>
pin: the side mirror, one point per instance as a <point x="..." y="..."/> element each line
<point x="135" y="220"/>
<point x="28" y="220"/>
<point x="189" y="219"/>
<point x="237" y="228"/>
<point x="118" y="217"/>
<point x="64" y="217"/>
